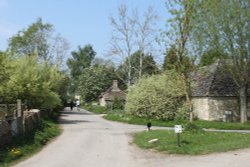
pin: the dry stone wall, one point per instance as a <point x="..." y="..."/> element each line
<point x="19" y="125"/>
<point x="5" y="133"/>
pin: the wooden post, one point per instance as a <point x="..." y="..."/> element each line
<point x="20" y="123"/>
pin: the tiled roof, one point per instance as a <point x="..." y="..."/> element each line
<point x="213" y="81"/>
<point x="113" y="92"/>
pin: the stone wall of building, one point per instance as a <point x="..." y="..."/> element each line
<point x="201" y="108"/>
<point x="218" y="108"/>
<point x="223" y="108"/>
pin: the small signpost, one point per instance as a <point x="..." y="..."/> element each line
<point x="178" y="131"/>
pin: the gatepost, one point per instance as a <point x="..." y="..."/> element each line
<point x="178" y="131"/>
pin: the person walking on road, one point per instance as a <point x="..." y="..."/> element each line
<point x="71" y="105"/>
<point x="78" y="104"/>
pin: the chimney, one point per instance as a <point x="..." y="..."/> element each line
<point x="115" y="85"/>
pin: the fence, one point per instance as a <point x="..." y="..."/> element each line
<point x="11" y="111"/>
<point x="12" y="122"/>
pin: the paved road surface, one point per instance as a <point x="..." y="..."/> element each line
<point x="90" y="141"/>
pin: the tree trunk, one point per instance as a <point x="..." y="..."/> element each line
<point x="243" y="104"/>
<point x="129" y="71"/>
<point x="190" y="107"/>
<point x="140" y="70"/>
<point x="188" y="97"/>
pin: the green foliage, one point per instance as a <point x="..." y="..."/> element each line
<point x="35" y="38"/>
<point x="118" y="103"/>
<point x="211" y="56"/>
<point x="35" y="82"/>
<point x="171" y="59"/>
<point x="192" y="143"/>
<point x="149" y="67"/>
<point x="81" y="60"/>
<point x="39" y="38"/>
<point x="96" y="109"/>
<point x="95" y="80"/>
<point x="156" y="97"/>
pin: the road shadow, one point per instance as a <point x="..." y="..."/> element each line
<point x="65" y="113"/>
<point x="65" y="121"/>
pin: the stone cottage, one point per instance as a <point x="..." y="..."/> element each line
<point x="107" y="97"/>
<point x="214" y="94"/>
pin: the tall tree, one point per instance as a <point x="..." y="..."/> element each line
<point x="122" y="41"/>
<point x="228" y="30"/>
<point x="180" y="32"/>
<point x="171" y="59"/>
<point x="145" y="31"/>
<point x="133" y="32"/>
<point x="149" y="67"/>
<point x="39" y="37"/>
<point x="95" y="80"/>
<point x="81" y="59"/>
<point x="210" y="56"/>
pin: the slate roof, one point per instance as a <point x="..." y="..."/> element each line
<point x="212" y="80"/>
<point x="113" y="92"/>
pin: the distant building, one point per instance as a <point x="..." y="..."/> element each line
<point x="107" y="97"/>
<point x="215" y="95"/>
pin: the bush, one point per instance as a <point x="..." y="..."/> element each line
<point x="118" y="104"/>
<point x="191" y="127"/>
<point x="37" y="83"/>
<point x="158" y="97"/>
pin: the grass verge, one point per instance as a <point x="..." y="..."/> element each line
<point x="96" y="109"/>
<point x="192" y="143"/>
<point x="26" y="145"/>
<point x="201" y="123"/>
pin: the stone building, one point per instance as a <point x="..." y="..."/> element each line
<point x="107" y="97"/>
<point x="214" y="94"/>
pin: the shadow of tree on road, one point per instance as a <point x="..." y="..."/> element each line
<point x="65" y="113"/>
<point x="64" y="121"/>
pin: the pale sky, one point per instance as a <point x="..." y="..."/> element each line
<point x="81" y="22"/>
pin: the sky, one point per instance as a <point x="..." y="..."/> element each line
<point x="81" y="22"/>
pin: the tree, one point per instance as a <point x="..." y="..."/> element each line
<point x="145" y="33"/>
<point x="149" y="67"/>
<point x="34" y="82"/>
<point x="122" y="41"/>
<point x="210" y="56"/>
<point x="228" y="30"/>
<point x="4" y="74"/>
<point x="81" y="59"/>
<point x="39" y="37"/>
<point x="181" y="33"/>
<point x="95" y="80"/>
<point x="171" y="59"/>
<point x="133" y="32"/>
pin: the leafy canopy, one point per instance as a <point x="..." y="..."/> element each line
<point x="95" y="80"/>
<point x="81" y="59"/>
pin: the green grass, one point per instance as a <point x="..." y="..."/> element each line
<point x="26" y="145"/>
<point x="192" y="143"/>
<point x="201" y="123"/>
<point x="96" y="109"/>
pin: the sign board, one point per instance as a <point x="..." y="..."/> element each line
<point x="178" y="129"/>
